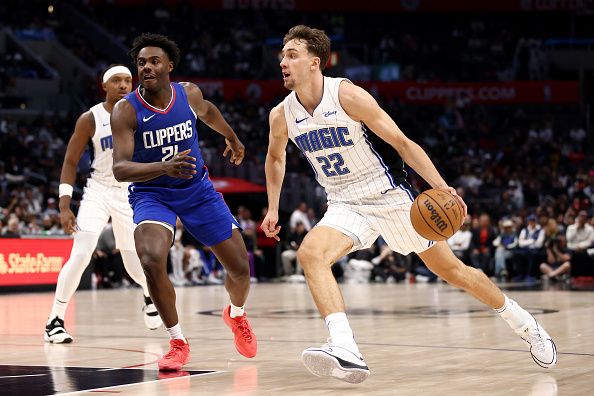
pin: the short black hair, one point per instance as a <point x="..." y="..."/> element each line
<point x="155" y="40"/>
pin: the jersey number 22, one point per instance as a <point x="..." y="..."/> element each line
<point x="333" y="161"/>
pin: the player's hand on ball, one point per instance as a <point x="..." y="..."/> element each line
<point x="181" y="165"/>
<point x="436" y="214"/>
<point x="452" y="191"/>
<point x="68" y="221"/>
<point x="237" y="150"/>
<point x="269" y="225"/>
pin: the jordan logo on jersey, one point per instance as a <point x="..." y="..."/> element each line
<point x="175" y="133"/>
<point x="324" y="138"/>
<point x="106" y="142"/>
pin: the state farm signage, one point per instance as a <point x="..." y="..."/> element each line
<point x="32" y="261"/>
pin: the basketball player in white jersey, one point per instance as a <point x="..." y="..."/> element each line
<point x="357" y="153"/>
<point x="104" y="197"/>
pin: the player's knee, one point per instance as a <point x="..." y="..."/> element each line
<point x="239" y="273"/>
<point x="152" y="263"/>
<point x="240" y="267"/>
<point x="306" y="257"/>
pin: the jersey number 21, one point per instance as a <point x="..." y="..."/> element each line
<point x="168" y="152"/>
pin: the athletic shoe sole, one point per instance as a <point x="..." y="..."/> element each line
<point x="543" y="364"/>
<point x="323" y="364"/>
<point x="57" y="340"/>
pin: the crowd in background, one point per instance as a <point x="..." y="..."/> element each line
<point x="242" y="43"/>
<point x="507" y="162"/>
<point x="520" y="168"/>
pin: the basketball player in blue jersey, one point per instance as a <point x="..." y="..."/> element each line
<point x="357" y="153"/>
<point x="104" y="197"/>
<point x="156" y="148"/>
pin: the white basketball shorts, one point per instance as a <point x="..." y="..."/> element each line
<point x="99" y="203"/>
<point x="367" y="218"/>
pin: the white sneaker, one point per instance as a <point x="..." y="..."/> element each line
<point x="152" y="320"/>
<point x="213" y="280"/>
<point x="334" y="361"/>
<point x="542" y="347"/>
<point x="56" y="333"/>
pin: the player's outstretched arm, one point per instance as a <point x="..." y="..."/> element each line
<point x="83" y="131"/>
<point x="361" y="106"/>
<point x="123" y="125"/>
<point x="275" y="168"/>
<point x="211" y="116"/>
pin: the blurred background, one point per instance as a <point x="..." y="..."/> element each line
<point x="499" y="92"/>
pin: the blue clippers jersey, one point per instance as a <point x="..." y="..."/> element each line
<point x="161" y="134"/>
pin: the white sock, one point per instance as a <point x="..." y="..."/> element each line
<point x="513" y="314"/>
<point x="58" y="309"/>
<point x="175" y="332"/>
<point x="236" y="311"/>
<point x="340" y="331"/>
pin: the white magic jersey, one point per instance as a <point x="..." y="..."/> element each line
<point x="103" y="148"/>
<point x="349" y="160"/>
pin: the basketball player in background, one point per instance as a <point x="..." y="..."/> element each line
<point x="104" y="197"/>
<point x="357" y="153"/>
<point x="156" y="147"/>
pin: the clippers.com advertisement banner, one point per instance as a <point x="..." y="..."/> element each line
<point x="25" y="262"/>
<point x="410" y="92"/>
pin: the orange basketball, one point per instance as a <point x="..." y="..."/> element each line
<point x="436" y="215"/>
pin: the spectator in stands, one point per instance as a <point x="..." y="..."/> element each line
<point x="505" y="244"/>
<point x="384" y="251"/>
<point x="578" y="197"/>
<point x="12" y="228"/>
<point x="249" y="234"/>
<point x="51" y="209"/>
<point x="50" y="227"/>
<point x="589" y="189"/>
<point x="552" y="230"/>
<point x="15" y="170"/>
<point x="109" y="268"/>
<point x="392" y="268"/>
<point x="289" y="255"/>
<point x="34" y="200"/>
<point x="299" y="215"/>
<point x="558" y="260"/>
<point x="201" y="258"/>
<point x="3" y="180"/>
<point x="268" y="247"/>
<point x="460" y="241"/>
<point x="580" y="240"/>
<point x="244" y="217"/>
<point x="482" y="243"/>
<point x="531" y="249"/>
<point x="580" y="235"/>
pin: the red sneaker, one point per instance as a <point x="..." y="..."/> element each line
<point x="245" y="339"/>
<point x="178" y="355"/>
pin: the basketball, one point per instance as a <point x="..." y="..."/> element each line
<point x="436" y="215"/>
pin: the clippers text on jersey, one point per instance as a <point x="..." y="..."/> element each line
<point x="175" y="133"/>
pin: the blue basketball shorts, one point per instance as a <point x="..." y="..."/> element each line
<point x="201" y="209"/>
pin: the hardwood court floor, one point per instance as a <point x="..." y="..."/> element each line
<point x="418" y="339"/>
